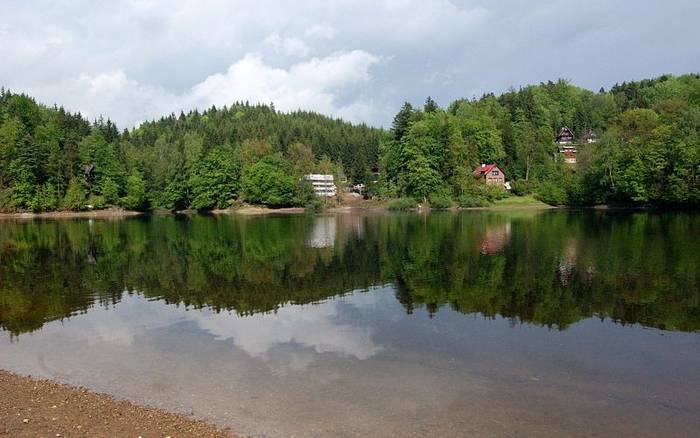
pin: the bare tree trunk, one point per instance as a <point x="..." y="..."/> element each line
<point x="527" y="168"/>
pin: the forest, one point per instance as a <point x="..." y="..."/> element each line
<point x="647" y="152"/>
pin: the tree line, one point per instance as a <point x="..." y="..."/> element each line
<point x="52" y="159"/>
<point x="648" y="151"/>
<point x="648" y="148"/>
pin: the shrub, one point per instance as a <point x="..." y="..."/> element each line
<point x="75" y="195"/>
<point x="96" y="201"/>
<point x="551" y="193"/>
<point x="491" y="192"/>
<point x="315" y="204"/>
<point x="522" y="187"/>
<point x="46" y="199"/>
<point x="110" y="191"/>
<point x="135" y="198"/>
<point x="470" y="200"/>
<point x="402" y="204"/>
<point x="440" y="202"/>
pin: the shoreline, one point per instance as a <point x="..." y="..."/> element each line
<point x="46" y="407"/>
<point x="252" y="210"/>
<point x="108" y="213"/>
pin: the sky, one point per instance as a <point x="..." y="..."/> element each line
<point x="357" y="59"/>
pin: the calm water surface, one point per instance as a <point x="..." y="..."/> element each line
<point x="481" y="323"/>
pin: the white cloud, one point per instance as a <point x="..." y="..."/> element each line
<point x="321" y="31"/>
<point x="289" y="46"/>
<point x="315" y="84"/>
<point x="165" y="49"/>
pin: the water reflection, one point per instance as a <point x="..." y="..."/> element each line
<point x="369" y="325"/>
<point x="551" y="268"/>
<point x="313" y="327"/>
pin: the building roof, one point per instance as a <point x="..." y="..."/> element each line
<point x="484" y="168"/>
<point x="565" y="134"/>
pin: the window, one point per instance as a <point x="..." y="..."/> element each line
<point x="494" y="173"/>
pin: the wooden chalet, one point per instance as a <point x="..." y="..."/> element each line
<point x="565" y="136"/>
<point x="491" y="174"/>
<point x="567" y="147"/>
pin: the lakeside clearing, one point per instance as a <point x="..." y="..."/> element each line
<point x="38" y="407"/>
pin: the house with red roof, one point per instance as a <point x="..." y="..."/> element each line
<point x="490" y="174"/>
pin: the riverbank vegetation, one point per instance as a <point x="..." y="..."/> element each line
<point x="647" y="152"/>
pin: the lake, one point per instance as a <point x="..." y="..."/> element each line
<point x="522" y="323"/>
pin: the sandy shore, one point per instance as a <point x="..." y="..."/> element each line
<point x="93" y="214"/>
<point x="33" y="408"/>
<point x="253" y="211"/>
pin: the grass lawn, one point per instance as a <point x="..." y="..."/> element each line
<point x="528" y="200"/>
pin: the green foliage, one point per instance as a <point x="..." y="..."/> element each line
<point x="468" y="200"/>
<point x="270" y="182"/>
<point x="551" y="193"/>
<point x="75" y="195"/>
<point x="110" y="191"/>
<point x="491" y="192"/>
<point x="215" y="180"/>
<point x="402" y="204"/>
<point x="46" y="199"/>
<point x="648" y="149"/>
<point x="178" y="159"/>
<point x="96" y="202"/>
<point x="135" y="198"/>
<point x="440" y="202"/>
<point x="522" y="187"/>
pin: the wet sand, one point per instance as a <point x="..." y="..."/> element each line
<point x="31" y="407"/>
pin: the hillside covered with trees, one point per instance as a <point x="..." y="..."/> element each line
<point x="648" y="151"/>
<point x="51" y="159"/>
<point x="648" y="148"/>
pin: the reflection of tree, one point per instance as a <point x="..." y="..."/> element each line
<point x="552" y="269"/>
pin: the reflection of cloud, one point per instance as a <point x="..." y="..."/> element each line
<point x="274" y="337"/>
<point x="312" y="326"/>
<point x="123" y="322"/>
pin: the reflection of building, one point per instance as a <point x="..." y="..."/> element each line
<point x="567" y="263"/>
<point x="323" y="184"/>
<point x="491" y="174"/>
<point x="323" y="232"/>
<point x="495" y="238"/>
<point x="329" y="231"/>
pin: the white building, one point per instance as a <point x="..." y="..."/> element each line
<point x="323" y="184"/>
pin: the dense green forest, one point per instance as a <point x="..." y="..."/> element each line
<point x="648" y="151"/>
<point x="648" y="148"/>
<point x="51" y="159"/>
<point x="550" y="268"/>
